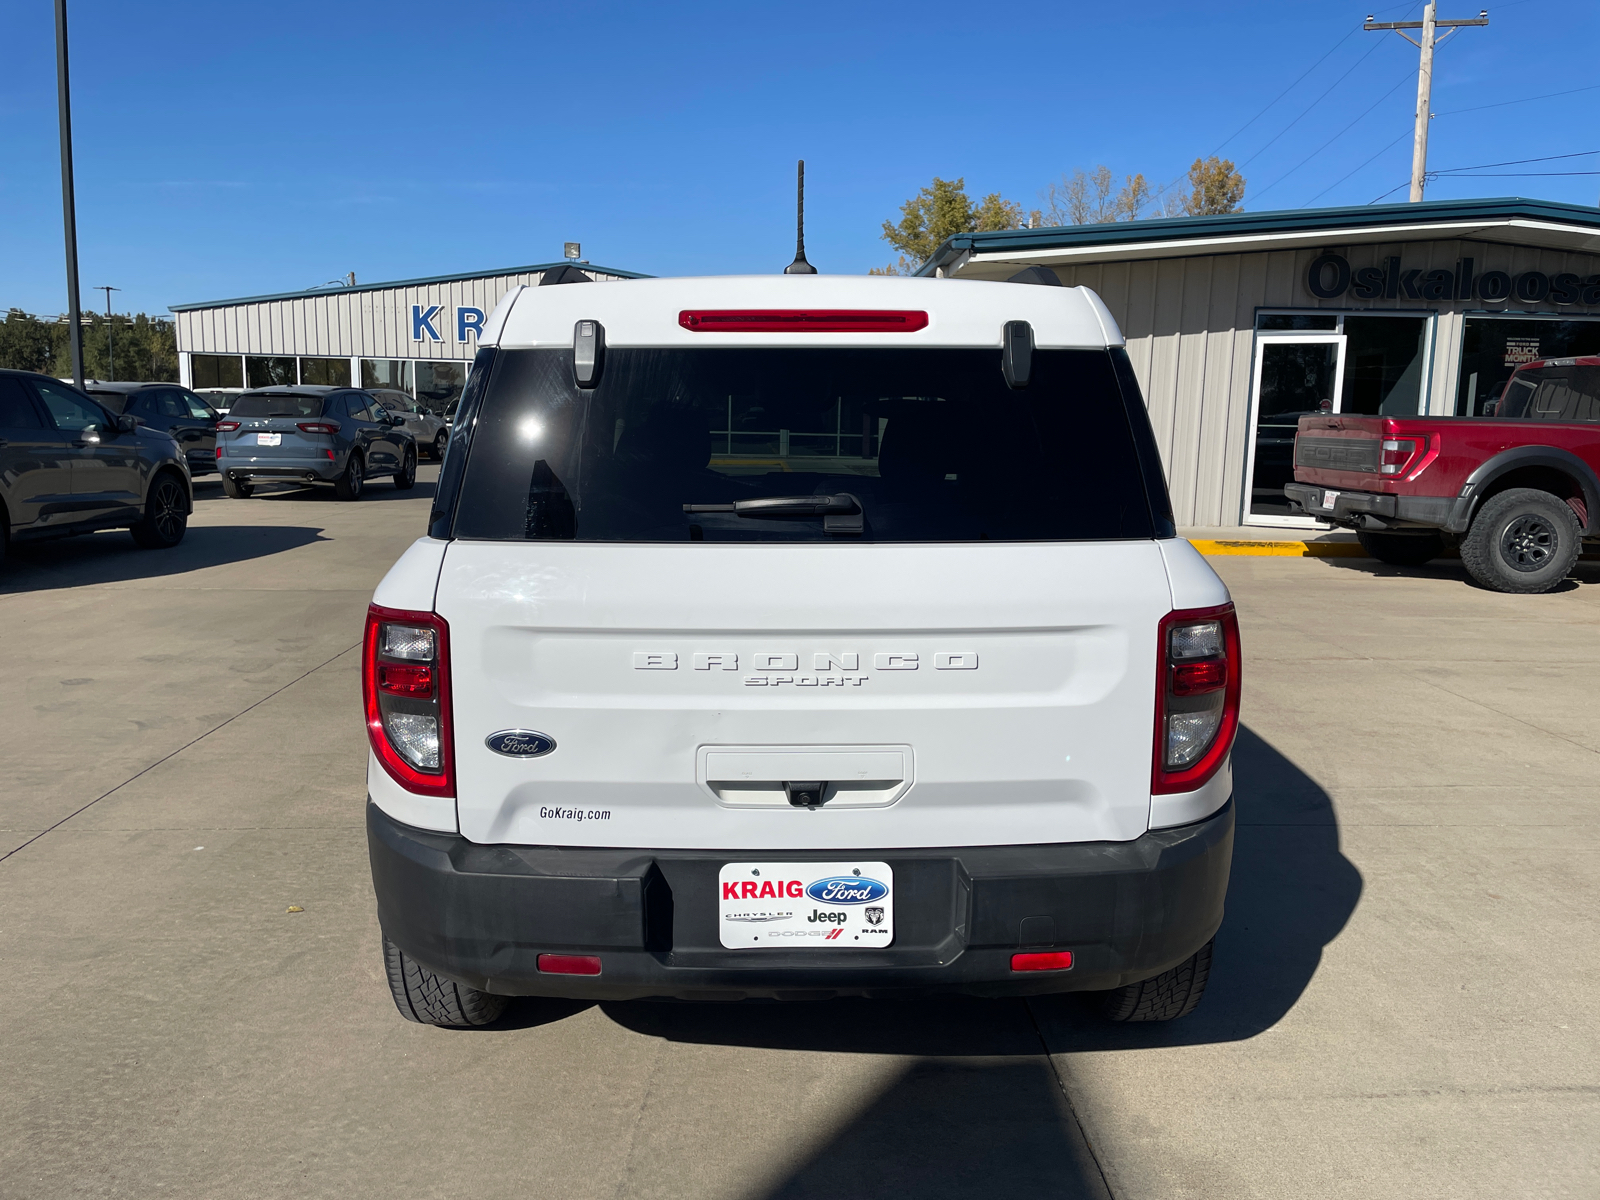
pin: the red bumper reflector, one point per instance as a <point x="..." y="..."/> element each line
<point x="803" y="320"/>
<point x="405" y="679"/>
<point x="569" y="964"/>
<point x="1048" y="960"/>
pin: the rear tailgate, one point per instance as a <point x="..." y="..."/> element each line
<point x="950" y="694"/>
<point x="264" y="439"/>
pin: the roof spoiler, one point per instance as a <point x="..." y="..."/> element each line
<point x="565" y="273"/>
<point x="1037" y="274"/>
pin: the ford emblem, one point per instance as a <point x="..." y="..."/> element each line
<point x="847" y="889"/>
<point x="520" y="743"/>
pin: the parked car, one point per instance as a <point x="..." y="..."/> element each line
<point x="804" y="636"/>
<point x="173" y="409"/>
<point x="430" y="430"/>
<point x="220" y="399"/>
<point x="1518" y="491"/>
<point x="313" y="434"/>
<point x="69" y="466"/>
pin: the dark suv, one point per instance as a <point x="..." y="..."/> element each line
<point x="313" y="434"/>
<point x="68" y="466"/>
<point x="166" y="406"/>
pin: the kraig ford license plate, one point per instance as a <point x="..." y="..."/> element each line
<point x="269" y="439"/>
<point x="834" y="906"/>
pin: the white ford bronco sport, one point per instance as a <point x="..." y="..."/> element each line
<point x="799" y="637"/>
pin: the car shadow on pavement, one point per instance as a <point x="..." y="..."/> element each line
<point x="377" y="491"/>
<point x="112" y="557"/>
<point x="1584" y="572"/>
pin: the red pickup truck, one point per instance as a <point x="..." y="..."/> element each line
<point x="1518" y="489"/>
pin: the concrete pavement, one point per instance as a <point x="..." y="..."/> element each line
<point x="1402" y="1003"/>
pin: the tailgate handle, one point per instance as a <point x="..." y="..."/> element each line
<point x="805" y="794"/>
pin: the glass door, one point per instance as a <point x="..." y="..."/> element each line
<point x="1296" y="375"/>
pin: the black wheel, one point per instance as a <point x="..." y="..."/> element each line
<point x="406" y="477"/>
<point x="353" y="482"/>
<point x="439" y="444"/>
<point x="430" y="999"/>
<point x="1402" y="549"/>
<point x="166" y="515"/>
<point x="1170" y="995"/>
<point x="237" y="489"/>
<point x="1522" y="540"/>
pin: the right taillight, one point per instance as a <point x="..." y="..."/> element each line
<point x="316" y="427"/>
<point x="405" y="683"/>
<point x="1197" y="697"/>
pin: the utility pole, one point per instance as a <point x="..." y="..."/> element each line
<point x="111" y="357"/>
<point x="68" y="214"/>
<point x="1428" y="25"/>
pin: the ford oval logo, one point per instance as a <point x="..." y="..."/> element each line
<point x="520" y="743"/>
<point x="847" y="889"/>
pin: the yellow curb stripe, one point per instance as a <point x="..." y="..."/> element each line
<point x="1280" y="549"/>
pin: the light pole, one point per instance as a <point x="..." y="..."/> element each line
<point x="111" y="356"/>
<point x="69" y="217"/>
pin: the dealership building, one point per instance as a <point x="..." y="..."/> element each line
<point x="1238" y="324"/>
<point x="417" y="335"/>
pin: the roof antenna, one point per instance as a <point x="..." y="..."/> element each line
<point x="800" y="266"/>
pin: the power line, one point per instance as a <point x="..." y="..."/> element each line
<point x="1403" y="79"/>
<point x="1525" y="100"/>
<point x="1515" y="162"/>
<point x="1310" y="106"/>
<point x="1362" y="167"/>
<point x="1519" y="174"/>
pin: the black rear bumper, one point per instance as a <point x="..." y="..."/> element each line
<point x="483" y="914"/>
<point x="1379" y="510"/>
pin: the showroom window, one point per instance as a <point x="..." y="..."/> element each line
<point x="332" y="372"/>
<point x="394" y="373"/>
<point x="216" y="371"/>
<point x="440" y="383"/>
<point x="264" y="371"/>
<point x="1493" y="347"/>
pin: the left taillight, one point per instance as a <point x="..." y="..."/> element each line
<point x="1197" y="697"/>
<point x="227" y="426"/>
<point x="405" y="684"/>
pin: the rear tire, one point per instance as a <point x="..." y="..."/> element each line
<point x="353" y="482"/>
<point x="430" y="999"/>
<point x="1402" y="549"/>
<point x="1172" y="994"/>
<point x="166" y="515"/>
<point x="237" y="489"/>
<point x="406" y="477"/>
<point x="1522" y="541"/>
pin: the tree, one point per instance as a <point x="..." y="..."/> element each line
<point x="146" y="347"/>
<point x="1215" y="187"/>
<point x="1092" y="198"/>
<point x="939" y="211"/>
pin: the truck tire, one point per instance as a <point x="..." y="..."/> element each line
<point x="1523" y="541"/>
<point x="1172" y="994"/>
<point x="1402" y="549"/>
<point x="430" y="999"/>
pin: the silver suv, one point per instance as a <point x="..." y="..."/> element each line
<point x="430" y="429"/>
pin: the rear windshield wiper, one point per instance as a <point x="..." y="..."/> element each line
<point x="840" y="513"/>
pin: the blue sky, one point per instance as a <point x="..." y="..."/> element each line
<point x="239" y="148"/>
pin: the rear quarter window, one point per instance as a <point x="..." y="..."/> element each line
<point x="932" y="444"/>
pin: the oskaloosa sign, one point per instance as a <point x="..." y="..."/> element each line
<point x="1329" y="276"/>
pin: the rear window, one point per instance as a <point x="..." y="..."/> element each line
<point x="270" y="405"/>
<point x="1563" y="393"/>
<point x="915" y="445"/>
<point x="117" y="402"/>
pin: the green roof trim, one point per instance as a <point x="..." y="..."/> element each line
<point x="1248" y="224"/>
<point x="310" y="293"/>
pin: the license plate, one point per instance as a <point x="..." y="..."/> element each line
<point x="788" y="906"/>
<point x="269" y="439"/>
<point x="1328" y="498"/>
